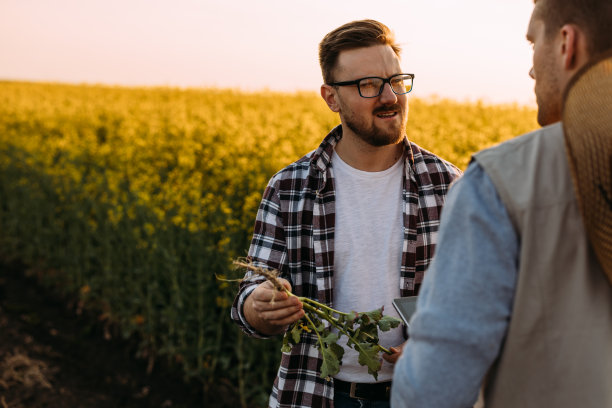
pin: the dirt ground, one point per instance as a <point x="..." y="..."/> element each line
<point x="51" y="357"/>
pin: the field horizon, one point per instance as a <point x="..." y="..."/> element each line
<point x="431" y="98"/>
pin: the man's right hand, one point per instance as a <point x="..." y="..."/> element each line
<point x="270" y="311"/>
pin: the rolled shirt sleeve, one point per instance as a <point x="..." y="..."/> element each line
<point x="465" y="302"/>
<point x="267" y="251"/>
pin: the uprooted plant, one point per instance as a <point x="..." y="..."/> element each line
<point x="361" y="329"/>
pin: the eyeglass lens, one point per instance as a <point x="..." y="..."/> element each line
<point x="371" y="87"/>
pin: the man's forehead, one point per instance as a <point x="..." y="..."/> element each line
<point x="535" y="23"/>
<point x="366" y="58"/>
<point x="538" y="7"/>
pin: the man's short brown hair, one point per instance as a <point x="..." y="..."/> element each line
<point x="356" y="34"/>
<point x="594" y="17"/>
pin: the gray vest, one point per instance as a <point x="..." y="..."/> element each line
<point x="558" y="348"/>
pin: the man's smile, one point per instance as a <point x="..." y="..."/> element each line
<point x="386" y="115"/>
<point x="387" y="112"/>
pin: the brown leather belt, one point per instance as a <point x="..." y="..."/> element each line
<point x="368" y="391"/>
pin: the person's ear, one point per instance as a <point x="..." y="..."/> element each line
<point x="328" y="93"/>
<point x="573" y="47"/>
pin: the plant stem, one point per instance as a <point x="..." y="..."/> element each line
<point x="321" y="305"/>
<point x="314" y="328"/>
<point x="315" y="303"/>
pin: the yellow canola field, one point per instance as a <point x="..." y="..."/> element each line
<point x="134" y="199"/>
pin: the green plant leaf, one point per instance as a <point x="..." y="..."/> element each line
<point x="286" y="347"/>
<point x="368" y="356"/>
<point x="337" y="350"/>
<point x="351" y="316"/>
<point x="331" y="338"/>
<point x="388" y="322"/>
<point x="368" y="333"/>
<point x="375" y="315"/>
<point x="296" y="333"/>
<point x="355" y="336"/>
<point x="331" y="363"/>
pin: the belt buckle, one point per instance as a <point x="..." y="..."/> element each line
<point x="352" y="391"/>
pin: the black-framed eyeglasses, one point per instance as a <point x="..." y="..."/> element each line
<point x="371" y="87"/>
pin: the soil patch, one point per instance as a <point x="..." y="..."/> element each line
<point x="52" y="357"/>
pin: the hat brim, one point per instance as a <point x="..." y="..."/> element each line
<point x="587" y="125"/>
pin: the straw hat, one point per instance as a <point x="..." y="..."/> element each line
<point x="587" y="124"/>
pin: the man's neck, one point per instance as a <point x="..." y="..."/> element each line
<point x="362" y="156"/>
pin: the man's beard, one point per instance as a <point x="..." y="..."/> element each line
<point x="548" y="89"/>
<point x="374" y="135"/>
<point x="549" y="99"/>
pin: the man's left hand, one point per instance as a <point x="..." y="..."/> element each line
<point x="397" y="352"/>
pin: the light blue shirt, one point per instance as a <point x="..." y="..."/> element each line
<point x="465" y="302"/>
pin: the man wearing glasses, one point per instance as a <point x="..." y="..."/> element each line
<point x="352" y="224"/>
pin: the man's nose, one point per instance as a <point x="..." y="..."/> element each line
<point x="387" y="94"/>
<point x="531" y="73"/>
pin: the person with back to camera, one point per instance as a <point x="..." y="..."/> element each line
<point x="352" y="224"/>
<point x="518" y="299"/>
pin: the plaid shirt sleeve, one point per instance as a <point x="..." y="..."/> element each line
<point x="267" y="250"/>
<point x="283" y="239"/>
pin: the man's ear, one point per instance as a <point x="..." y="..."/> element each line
<point x="573" y="47"/>
<point x="328" y="93"/>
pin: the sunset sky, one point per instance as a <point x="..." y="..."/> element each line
<point x="460" y="49"/>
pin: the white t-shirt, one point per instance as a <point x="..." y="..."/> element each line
<point x="367" y="253"/>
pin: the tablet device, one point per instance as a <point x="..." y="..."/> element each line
<point x="405" y="307"/>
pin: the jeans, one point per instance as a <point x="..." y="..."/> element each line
<point x="343" y="400"/>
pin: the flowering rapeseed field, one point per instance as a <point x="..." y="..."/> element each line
<point x="134" y="199"/>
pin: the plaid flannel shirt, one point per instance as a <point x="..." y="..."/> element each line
<point x="294" y="234"/>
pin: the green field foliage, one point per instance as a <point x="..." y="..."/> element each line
<point x="135" y="199"/>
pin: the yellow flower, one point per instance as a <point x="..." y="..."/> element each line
<point x="149" y="228"/>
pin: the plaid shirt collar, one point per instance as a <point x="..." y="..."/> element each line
<point x="321" y="158"/>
